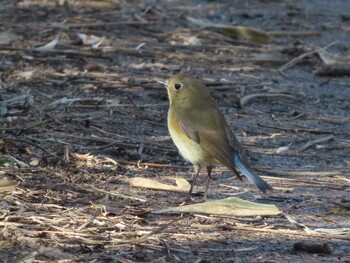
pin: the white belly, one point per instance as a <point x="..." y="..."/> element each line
<point x="191" y="150"/>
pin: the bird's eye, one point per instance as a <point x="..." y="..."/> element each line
<point x="177" y="86"/>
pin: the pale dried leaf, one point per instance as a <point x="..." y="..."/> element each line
<point x="91" y="40"/>
<point x="86" y="156"/>
<point x="140" y="182"/>
<point x="326" y="57"/>
<point x="193" y="41"/>
<point x="49" y="46"/>
<point x="283" y="149"/>
<point x="183" y="184"/>
<point x="7" y="186"/>
<point x="229" y="206"/>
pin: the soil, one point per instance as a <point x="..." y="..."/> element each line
<point x="79" y="121"/>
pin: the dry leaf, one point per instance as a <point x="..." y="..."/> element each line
<point x="242" y="32"/>
<point x="91" y="40"/>
<point x="229" y="206"/>
<point x="283" y="149"/>
<point x="7" y="187"/>
<point x="49" y="46"/>
<point x="326" y="57"/>
<point x="78" y="156"/>
<point x="181" y="186"/>
<point x="247" y="33"/>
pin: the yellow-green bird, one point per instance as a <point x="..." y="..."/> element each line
<point x="201" y="133"/>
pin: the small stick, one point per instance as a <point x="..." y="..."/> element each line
<point x="296" y="60"/>
<point x="140" y="113"/>
<point x="37" y="124"/>
<point x="95" y="189"/>
<point x="246" y="99"/>
<point x="289" y="232"/>
<point x="313" y="142"/>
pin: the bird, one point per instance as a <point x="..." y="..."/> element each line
<point x="200" y="132"/>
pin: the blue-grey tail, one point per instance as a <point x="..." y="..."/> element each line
<point x="256" y="179"/>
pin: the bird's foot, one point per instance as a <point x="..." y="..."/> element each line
<point x="189" y="200"/>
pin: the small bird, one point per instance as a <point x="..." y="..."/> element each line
<point x="201" y="133"/>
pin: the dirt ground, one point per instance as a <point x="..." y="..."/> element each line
<point x="79" y="121"/>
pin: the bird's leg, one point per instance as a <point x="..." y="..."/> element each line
<point x="209" y="169"/>
<point x="192" y="178"/>
<point x="197" y="168"/>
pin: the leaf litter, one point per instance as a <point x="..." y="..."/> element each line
<point x="78" y="121"/>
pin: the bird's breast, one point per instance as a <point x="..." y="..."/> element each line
<point x="189" y="149"/>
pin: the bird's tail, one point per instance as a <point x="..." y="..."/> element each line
<point x="253" y="177"/>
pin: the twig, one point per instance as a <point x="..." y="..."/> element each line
<point x="17" y="98"/>
<point x="298" y="173"/>
<point x="328" y="119"/>
<point x="301" y="57"/>
<point x="289" y="232"/>
<point x="141" y="114"/>
<point x="294" y="222"/>
<point x="13" y="140"/>
<point x="57" y="52"/>
<point x="31" y="126"/>
<point x="299" y="129"/>
<point x="248" y="98"/>
<point x="91" y="187"/>
<point x="313" y="142"/>
<point x="76" y="25"/>
<point x="152" y="233"/>
<point x="91" y="219"/>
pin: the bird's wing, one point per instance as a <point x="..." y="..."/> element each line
<point x="213" y="134"/>
<point x="208" y="129"/>
<point x="218" y="139"/>
<point x="234" y="143"/>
